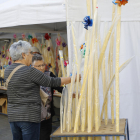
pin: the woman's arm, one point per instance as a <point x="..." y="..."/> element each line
<point x="42" y="79"/>
<point x="65" y="80"/>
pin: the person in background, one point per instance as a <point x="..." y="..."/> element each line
<point x="24" y="102"/>
<point x="46" y="125"/>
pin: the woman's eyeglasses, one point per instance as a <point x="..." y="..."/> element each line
<point x="39" y="66"/>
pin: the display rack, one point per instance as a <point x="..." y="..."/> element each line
<point x="104" y="131"/>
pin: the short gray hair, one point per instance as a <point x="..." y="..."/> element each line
<point x="36" y="57"/>
<point x="17" y="48"/>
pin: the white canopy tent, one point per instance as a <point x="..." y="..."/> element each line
<point x="32" y="15"/>
<point x="27" y="12"/>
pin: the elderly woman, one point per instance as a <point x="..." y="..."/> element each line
<point x="24" y="102"/>
<point x="46" y="125"/>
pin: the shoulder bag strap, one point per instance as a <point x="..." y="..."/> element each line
<point x="12" y="73"/>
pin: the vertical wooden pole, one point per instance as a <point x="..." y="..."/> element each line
<point x="117" y="71"/>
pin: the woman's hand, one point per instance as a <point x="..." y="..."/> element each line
<point x="67" y="80"/>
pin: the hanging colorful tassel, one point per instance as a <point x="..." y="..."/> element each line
<point x="3" y="56"/>
<point x="58" y="42"/>
<point x="58" y="57"/>
<point x="9" y="63"/>
<point x="120" y="2"/>
<point x="15" y="36"/>
<point x="49" y="48"/>
<point x="23" y="36"/>
<point x="123" y="2"/>
<point x="34" y="40"/>
<point x="81" y="47"/>
<point x="30" y="37"/>
<point x="47" y="37"/>
<point x="87" y="22"/>
<point x="7" y="57"/>
<point x="64" y="44"/>
<point x="49" y="65"/>
<point x="83" y="50"/>
<point x="65" y="63"/>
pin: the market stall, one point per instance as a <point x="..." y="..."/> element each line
<point x="50" y="17"/>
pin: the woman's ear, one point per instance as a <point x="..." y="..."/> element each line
<point x="23" y="56"/>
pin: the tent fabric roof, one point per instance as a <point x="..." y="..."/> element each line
<point x="130" y="12"/>
<point x="27" y="12"/>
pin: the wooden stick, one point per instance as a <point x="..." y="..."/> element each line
<point x="83" y="108"/>
<point x="105" y="45"/>
<point x="79" y="103"/>
<point x="117" y="69"/>
<point x="94" y="2"/>
<point x="110" y="84"/>
<point x="90" y="76"/>
<point x="111" y="68"/>
<point x="96" y="91"/>
<point x="88" y="8"/>
<point x="111" y="74"/>
<point x="78" y="60"/>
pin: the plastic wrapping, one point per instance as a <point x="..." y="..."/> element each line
<point x="64" y="106"/>
<point x="70" y="99"/>
<point x="62" y="63"/>
<point x="51" y="60"/>
<point x="66" y="103"/>
<point x="60" y="45"/>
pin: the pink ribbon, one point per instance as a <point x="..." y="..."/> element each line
<point x="15" y="36"/>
